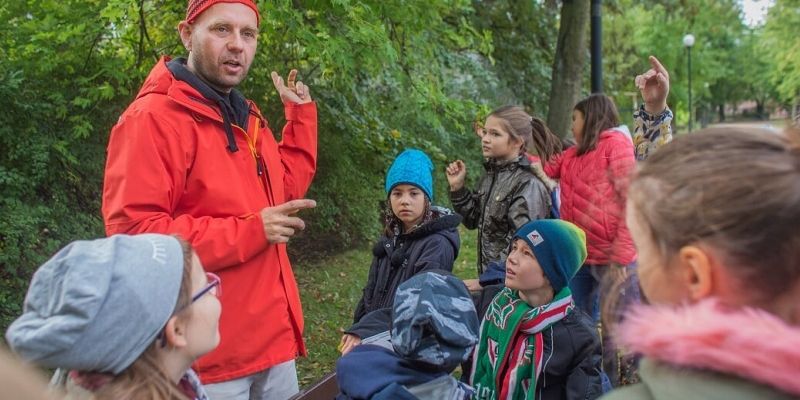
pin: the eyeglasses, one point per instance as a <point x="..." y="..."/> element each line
<point x="214" y="286"/>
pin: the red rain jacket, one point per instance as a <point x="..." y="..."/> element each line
<point x="169" y="171"/>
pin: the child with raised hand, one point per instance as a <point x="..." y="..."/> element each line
<point x="126" y="316"/>
<point x="715" y="218"/>
<point x="508" y="194"/>
<point x="533" y="343"/>
<point x="653" y="120"/>
<point x="417" y="237"/>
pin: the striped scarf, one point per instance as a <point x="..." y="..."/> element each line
<point x="508" y="359"/>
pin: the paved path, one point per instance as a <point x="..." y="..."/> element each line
<point x="775" y="125"/>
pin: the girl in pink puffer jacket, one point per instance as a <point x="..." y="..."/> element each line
<point x="593" y="176"/>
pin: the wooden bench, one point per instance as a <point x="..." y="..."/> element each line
<point x="325" y="389"/>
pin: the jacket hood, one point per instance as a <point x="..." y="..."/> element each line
<point x="749" y="343"/>
<point x="444" y="222"/>
<point x="162" y="81"/>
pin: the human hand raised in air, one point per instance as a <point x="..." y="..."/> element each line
<point x="456" y="175"/>
<point x="279" y="221"/>
<point x="292" y="91"/>
<point x="654" y="86"/>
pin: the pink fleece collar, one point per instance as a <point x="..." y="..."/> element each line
<point x="748" y="342"/>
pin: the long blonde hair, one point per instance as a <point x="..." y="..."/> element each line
<point x="145" y="378"/>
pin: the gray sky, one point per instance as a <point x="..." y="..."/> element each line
<point x="755" y="11"/>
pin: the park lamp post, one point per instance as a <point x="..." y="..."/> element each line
<point x="688" y="42"/>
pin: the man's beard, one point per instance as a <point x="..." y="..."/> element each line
<point x="207" y="73"/>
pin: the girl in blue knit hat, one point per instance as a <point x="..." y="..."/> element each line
<point x="417" y="237"/>
<point x="510" y="193"/>
<point x="121" y="318"/>
<point x="534" y="344"/>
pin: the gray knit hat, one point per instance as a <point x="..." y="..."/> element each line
<point x="97" y="305"/>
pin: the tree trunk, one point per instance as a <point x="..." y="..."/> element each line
<point x="568" y="64"/>
<point x="760" y="112"/>
<point x="721" y="112"/>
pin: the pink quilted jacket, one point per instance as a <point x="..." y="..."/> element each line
<point x="594" y="187"/>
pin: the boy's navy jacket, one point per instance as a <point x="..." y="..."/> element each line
<point x="367" y="370"/>
<point x="432" y="246"/>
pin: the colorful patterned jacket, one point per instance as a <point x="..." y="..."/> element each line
<point x="650" y="131"/>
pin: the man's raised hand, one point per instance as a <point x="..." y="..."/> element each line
<point x="279" y="221"/>
<point x="291" y="91"/>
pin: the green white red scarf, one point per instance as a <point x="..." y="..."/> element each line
<point x="508" y="359"/>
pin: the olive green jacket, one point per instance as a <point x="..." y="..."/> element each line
<point x="660" y="381"/>
<point x="707" y="350"/>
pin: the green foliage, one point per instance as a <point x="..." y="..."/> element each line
<point x="524" y="36"/>
<point x="726" y="67"/>
<point x="386" y="75"/>
<point x="782" y="48"/>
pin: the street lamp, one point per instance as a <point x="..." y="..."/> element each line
<point x="688" y="42"/>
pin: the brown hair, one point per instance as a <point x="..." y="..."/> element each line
<point x="600" y="114"/>
<point x="734" y="189"/>
<point x="145" y="378"/>
<point x="531" y="131"/>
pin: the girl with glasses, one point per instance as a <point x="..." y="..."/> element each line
<point x="121" y="318"/>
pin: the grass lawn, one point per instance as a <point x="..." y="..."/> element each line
<point x="330" y="289"/>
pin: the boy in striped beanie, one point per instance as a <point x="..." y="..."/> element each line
<point x="534" y="319"/>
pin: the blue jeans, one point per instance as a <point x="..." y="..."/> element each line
<point x="585" y="289"/>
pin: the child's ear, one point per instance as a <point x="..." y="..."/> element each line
<point x="698" y="271"/>
<point x="175" y="332"/>
<point x="517" y="141"/>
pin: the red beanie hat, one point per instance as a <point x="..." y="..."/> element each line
<point x="196" y="7"/>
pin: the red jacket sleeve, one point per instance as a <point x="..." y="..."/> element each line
<point x="553" y="167"/>
<point x="621" y="164"/>
<point x="298" y="148"/>
<point x="145" y="175"/>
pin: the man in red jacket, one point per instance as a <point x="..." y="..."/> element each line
<point x="191" y="156"/>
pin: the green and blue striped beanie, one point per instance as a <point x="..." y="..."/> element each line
<point x="559" y="247"/>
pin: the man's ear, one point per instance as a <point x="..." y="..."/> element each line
<point x="175" y="332"/>
<point x="185" y="30"/>
<point x="698" y="271"/>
